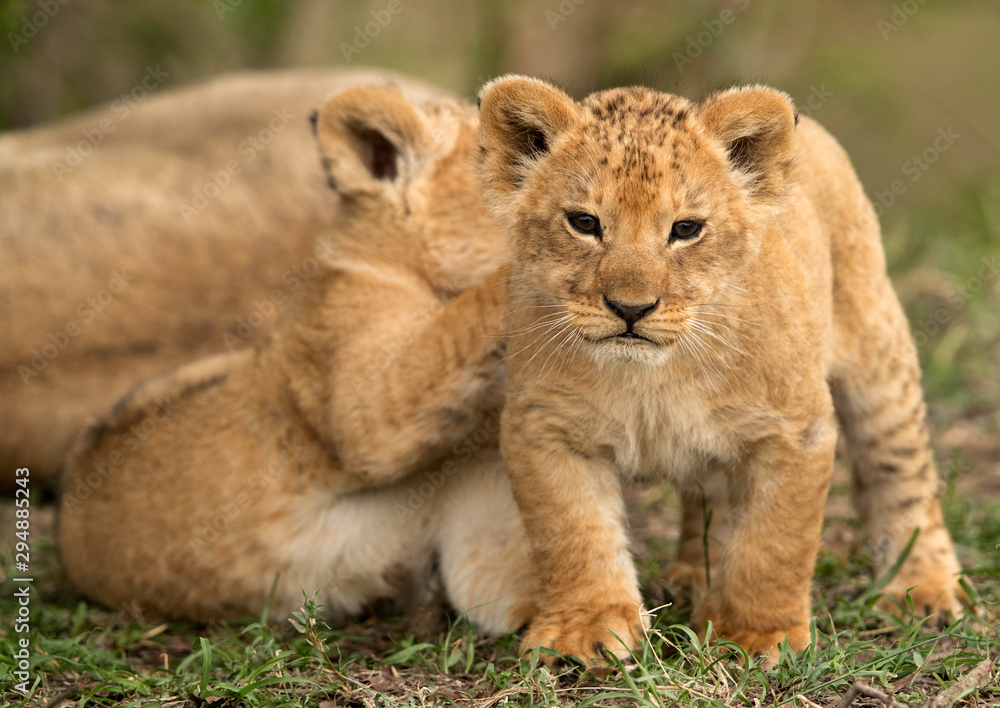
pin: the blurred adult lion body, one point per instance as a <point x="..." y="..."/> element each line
<point x="139" y="236"/>
<point x="321" y="453"/>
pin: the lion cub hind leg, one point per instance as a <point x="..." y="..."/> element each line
<point x="184" y="526"/>
<point x="706" y="525"/>
<point x="880" y="405"/>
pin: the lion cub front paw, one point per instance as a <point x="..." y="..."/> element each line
<point x="587" y="633"/>
<point x="757" y="642"/>
<point x="765" y="644"/>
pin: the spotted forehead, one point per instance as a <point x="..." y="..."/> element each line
<point x="639" y="136"/>
<point x="641" y="110"/>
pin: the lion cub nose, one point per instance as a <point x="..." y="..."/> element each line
<point x="630" y="313"/>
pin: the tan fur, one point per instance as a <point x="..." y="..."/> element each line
<point x="116" y="220"/>
<point x="330" y="452"/>
<point x="756" y="331"/>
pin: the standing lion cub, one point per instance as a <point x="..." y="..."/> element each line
<point x="708" y="296"/>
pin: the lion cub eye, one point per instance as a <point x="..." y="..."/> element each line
<point x="685" y="230"/>
<point x="585" y="223"/>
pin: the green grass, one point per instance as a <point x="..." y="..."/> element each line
<point x="90" y="656"/>
<point x="94" y="657"/>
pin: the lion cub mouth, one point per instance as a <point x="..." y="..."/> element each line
<point x="630" y="336"/>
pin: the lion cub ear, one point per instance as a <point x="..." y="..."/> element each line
<point x="756" y="125"/>
<point x="370" y="136"/>
<point x="519" y="121"/>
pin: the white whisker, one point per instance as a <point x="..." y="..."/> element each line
<point x="705" y="359"/>
<point x="590" y="177"/>
<point x="597" y="167"/>
<point x="583" y="182"/>
<point x="687" y="347"/>
<point x="701" y="327"/>
<point x="718" y="372"/>
<point x="570" y="333"/>
<point x="744" y="290"/>
<point x="540" y="347"/>
<point x="546" y="326"/>
<point x="731" y="317"/>
<point x="731" y="329"/>
<point x="549" y="320"/>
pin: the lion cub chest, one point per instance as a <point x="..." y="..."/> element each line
<point x="667" y="430"/>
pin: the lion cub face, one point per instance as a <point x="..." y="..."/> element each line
<point x="410" y="196"/>
<point x="632" y="209"/>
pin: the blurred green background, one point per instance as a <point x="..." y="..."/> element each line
<point x="883" y="76"/>
<point x="911" y="88"/>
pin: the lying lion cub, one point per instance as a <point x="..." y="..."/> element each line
<point x="115" y="270"/>
<point x="709" y="290"/>
<point x="320" y="453"/>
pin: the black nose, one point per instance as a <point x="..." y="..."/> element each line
<point x="630" y="313"/>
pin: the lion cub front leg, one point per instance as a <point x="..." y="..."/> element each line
<point x="572" y="510"/>
<point x="762" y="590"/>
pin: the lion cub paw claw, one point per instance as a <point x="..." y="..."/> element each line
<point x="756" y="643"/>
<point x="765" y="644"/>
<point x="941" y="599"/>
<point x="587" y="634"/>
